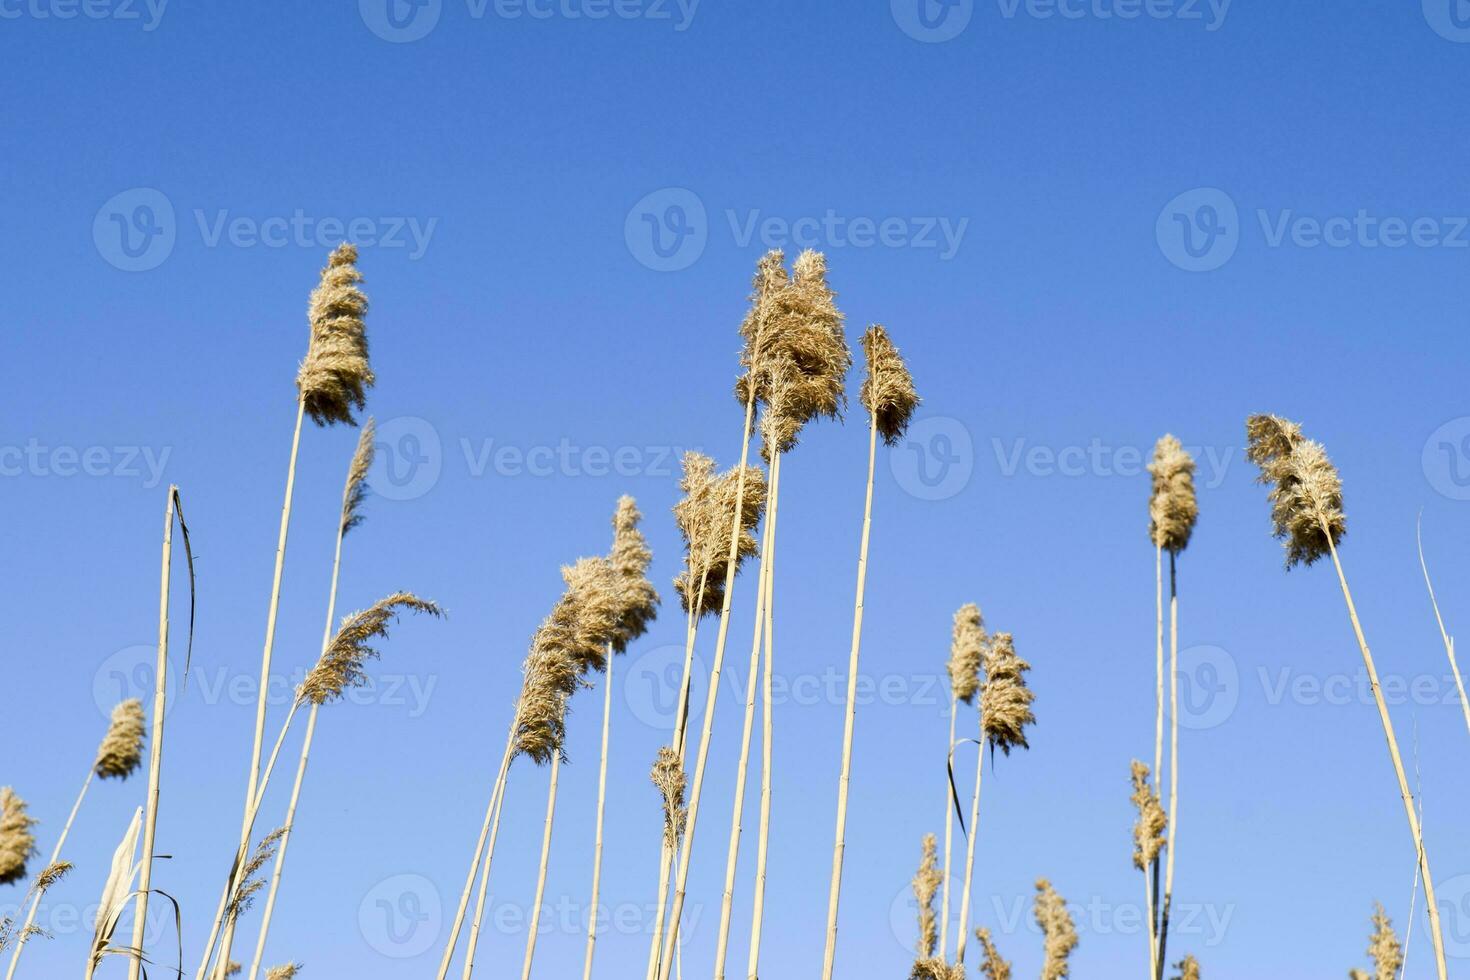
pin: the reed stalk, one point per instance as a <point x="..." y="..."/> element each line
<point x="1449" y="642"/>
<point x="963" y="931"/>
<point x="948" y="832"/>
<point x="763" y="837"/>
<point x="155" y="754"/>
<point x="601" y="810"/>
<point x="39" y="893"/>
<point x="535" y="924"/>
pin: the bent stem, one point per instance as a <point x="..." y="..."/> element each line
<point x="25" y="930"/>
<point x="843" y="780"/>
<point x="1449" y="642"/>
<point x="155" y="754"/>
<point x="535" y="924"/>
<point x="1398" y="763"/>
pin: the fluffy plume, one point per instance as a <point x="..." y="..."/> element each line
<point x="1148" y="831"/>
<point x="926" y="885"/>
<point x="1005" y="701"/>
<point x="637" y="598"/>
<point x="1172" y="509"/>
<point x="17" y="843"/>
<point x="250" y="880"/>
<point x="1188" y="968"/>
<point x="121" y="751"/>
<point x="705" y="516"/>
<point x="1306" y="491"/>
<point x="888" y="390"/>
<point x="766" y="287"/>
<point x="1383" y="949"/>
<point x="668" y="777"/>
<point x="570" y="642"/>
<point x="1060" y="931"/>
<point x="335" y="376"/>
<point x="934" y="968"/>
<point x="993" y="967"/>
<point x="967" y="652"/>
<point x="286" y="971"/>
<point x="341" y="663"/>
<point x="357" y="488"/>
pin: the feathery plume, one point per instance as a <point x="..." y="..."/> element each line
<point x="286" y="971"/>
<point x="335" y="376"/>
<point x="967" y="652"/>
<point x="1060" y="931"/>
<point x="1005" y="701"/>
<point x="888" y="390"/>
<point x="926" y="883"/>
<point x="570" y="642"/>
<point x="1306" y="490"/>
<point x="1188" y="968"/>
<point x="17" y="843"/>
<point x="704" y="516"/>
<point x="341" y="663"/>
<point x="1383" y="949"/>
<point x="357" y="487"/>
<point x="756" y="329"/>
<point x="250" y="881"/>
<point x="121" y="751"/>
<point x="1172" y="509"/>
<point x="1148" y="831"/>
<point x="638" y="600"/>
<point x="668" y="777"/>
<point x="993" y="967"/>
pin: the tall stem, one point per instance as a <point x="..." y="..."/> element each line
<point x="852" y="678"/>
<point x="763" y="838"/>
<point x="1173" y="761"/>
<point x="677" y="909"/>
<point x="1449" y="642"/>
<point x="25" y="930"/>
<point x="1153" y="949"/>
<point x="497" y="804"/>
<point x="155" y="754"/>
<point x="265" y="656"/>
<point x="601" y="809"/>
<point x="960" y="937"/>
<point x="469" y="882"/>
<point x="1159" y="670"/>
<point x="535" y="923"/>
<point x="742" y="769"/>
<point x="1398" y="763"/>
<point x="948" y="831"/>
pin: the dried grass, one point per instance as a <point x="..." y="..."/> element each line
<point x="630" y="557"/>
<point x="1306" y="490"/>
<point x="356" y="490"/>
<point x="888" y="390"/>
<point x="1005" y="700"/>
<point x="705" y="516"/>
<point x="1172" y="508"/>
<point x="668" y="777"/>
<point x="1058" y="928"/>
<point x="17" y="843"/>
<point x="967" y="652"/>
<point x="335" y="376"/>
<point x="1149" y="830"/>
<point x="341" y="664"/>
<point x="121" y="751"/>
<point x="993" y="966"/>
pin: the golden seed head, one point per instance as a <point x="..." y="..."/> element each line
<point x="1306" y="490"/>
<point x="706" y="516"/>
<point x="1188" y="968"/>
<point x="926" y="884"/>
<point x="993" y="966"/>
<point x="888" y="390"/>
<point x="1005" y="700"/>
<point x="1172" y="508"/>
<point x="121" y="751"/>
<point x="356" y="490"/>
<point x="335" y="376"/>
<point x="286" y="971"/>
<point x="17" y="843"/>
<point x="630" y="557"/>
<point x="341" y="663"/>
<point x="668" y="777"/>
<point x="967" y="652"/>
<point x="1149" y="829"/>
<point x="1058" y="928"/>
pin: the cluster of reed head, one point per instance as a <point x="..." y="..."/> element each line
<point x="332" y="383"/>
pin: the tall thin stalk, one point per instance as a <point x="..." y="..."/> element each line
<point x="1173" y="761"/>
<point x="601" y="809"/>
<point x="25" y="930"/>
<point x="843" y="780"/>
<point x="963" y="930"/>
<point x="155" y="754"/>
<point x="1449" y="642"/>
<point x="763" y="837"/>
<point x="742" y="768"/>
<point x="535" y="924"/>
<point x="497" y="803"/>
<point x="948" y="833"/>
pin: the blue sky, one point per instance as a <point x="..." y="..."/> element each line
<point x="1086" y="224"/>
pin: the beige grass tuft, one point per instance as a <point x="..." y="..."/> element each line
<point x="967" y="652"/>
<point x="121" y="751"/>
<point x="1005" y="701"/>
<point x="1383" y="949"/>
<point x="1306" y="491"/>
<point x="630" y="557"/>
<point x="993" y="966"/>
<point x="1149" y="830"/>
<point x="341" y="663"/>
<point x="250" y="880"/>
<point x="888" y="390"/>
<point x="356" y="490"/>
<point x="928" y="966"/>
<point x="668" y="777"/>
<point x="1188" y="968"/>
<point x="1058" y="928"/>
<point x="1172" y="508"/>
<point x="335" y="376"/>
<point x="286" y="971"/>
<point x="705" y="515"/>
<point x="17" y="843"/>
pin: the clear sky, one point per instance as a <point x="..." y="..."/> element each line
<point x="1086" y="224"/>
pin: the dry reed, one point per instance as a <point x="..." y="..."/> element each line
<point x="341" y="664"/>
<point x="1058" y="928"/>
<point x="993" y="966"/>
<point x="335" y="375"/>
<point x="1383" y="949"/>
<point x="707" y="509"/>
<point x="17" y="843"/>
<point x="1188" y="968"/>
<point x="121" y="751"/>
<point x="286" y="971"/>
<point x="968" y="641"/>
